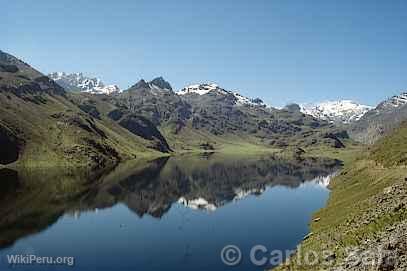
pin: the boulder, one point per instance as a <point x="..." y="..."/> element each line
<point x="9" y="146"/>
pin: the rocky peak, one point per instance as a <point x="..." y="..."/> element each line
<point x="161" y="83"/>
<point x="79" y="82"/>
<point x="142" y="84"/>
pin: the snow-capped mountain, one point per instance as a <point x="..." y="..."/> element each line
<point x="200" y="89"/>
<point x="203" y="89"/>
<point x="80" y="82"/>
<point x="381" y="120"/>
<point x="393" y="102"/>
<point x="344" y="111"/>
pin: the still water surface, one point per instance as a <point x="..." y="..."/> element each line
<point x="166" y="214"/>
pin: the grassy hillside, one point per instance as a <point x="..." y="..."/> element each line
<point x="56" y="132"/>
<point x="391" y="151"/>
<point x="41" y="125"/>
<point x="366" y="209"/>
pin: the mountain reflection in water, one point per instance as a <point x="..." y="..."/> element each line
<point x="200" y="183"/>
<point x="33" y="200"/>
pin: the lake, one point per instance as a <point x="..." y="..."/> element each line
<point x="173" y="213"/>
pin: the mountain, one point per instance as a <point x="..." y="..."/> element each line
<point x="393" y="102"/>
<point x="208" y="116"/>
<point x="205" y="88"/>
<point x="19" y="83"/>
<point x="79" y="82"/>
<point x="381" y="120"/>
<point x="156" y="85"/>
<point x="343" y="111"/>
<point x="43" y="125"/>
<point x="161" y="83"/>
<point x="155" y="101"/>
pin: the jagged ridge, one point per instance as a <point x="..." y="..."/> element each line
<point x="82" y="83"/>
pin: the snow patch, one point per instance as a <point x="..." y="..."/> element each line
<point x="84" y="83"/>
<point x="344" y="111"/>
<point x="394" y="102"/>
<point x="241" y="193"/>
<point x="322" y="181"/>
<point x="200" y="89"/>
<point x="203" y="89"/>
<point x="199" y="203"/>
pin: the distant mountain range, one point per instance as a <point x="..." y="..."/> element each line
<point x="363" y="122"/>
<point x="59" y="120"/>
<point x="343" y="111"/>
<point x="339" y="112"/>
<point x="77" y="82"/>
<point x="81" y="83"/>
<point x="204" y="112"/>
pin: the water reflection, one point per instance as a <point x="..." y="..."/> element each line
<point x="31" y="201"/>
<point x="202" y="183"/>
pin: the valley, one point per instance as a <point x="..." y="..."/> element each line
<point x="150" y="147"/>
<point x="53" y="126"/>
<point x="203" y="135"/>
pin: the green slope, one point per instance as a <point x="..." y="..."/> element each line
<point x="42" y="125"/>
<point x="367" y="205"/>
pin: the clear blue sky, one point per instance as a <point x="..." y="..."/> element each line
<point x="282" y="51"/>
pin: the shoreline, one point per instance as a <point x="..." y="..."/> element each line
<point x="366" y="210"/>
